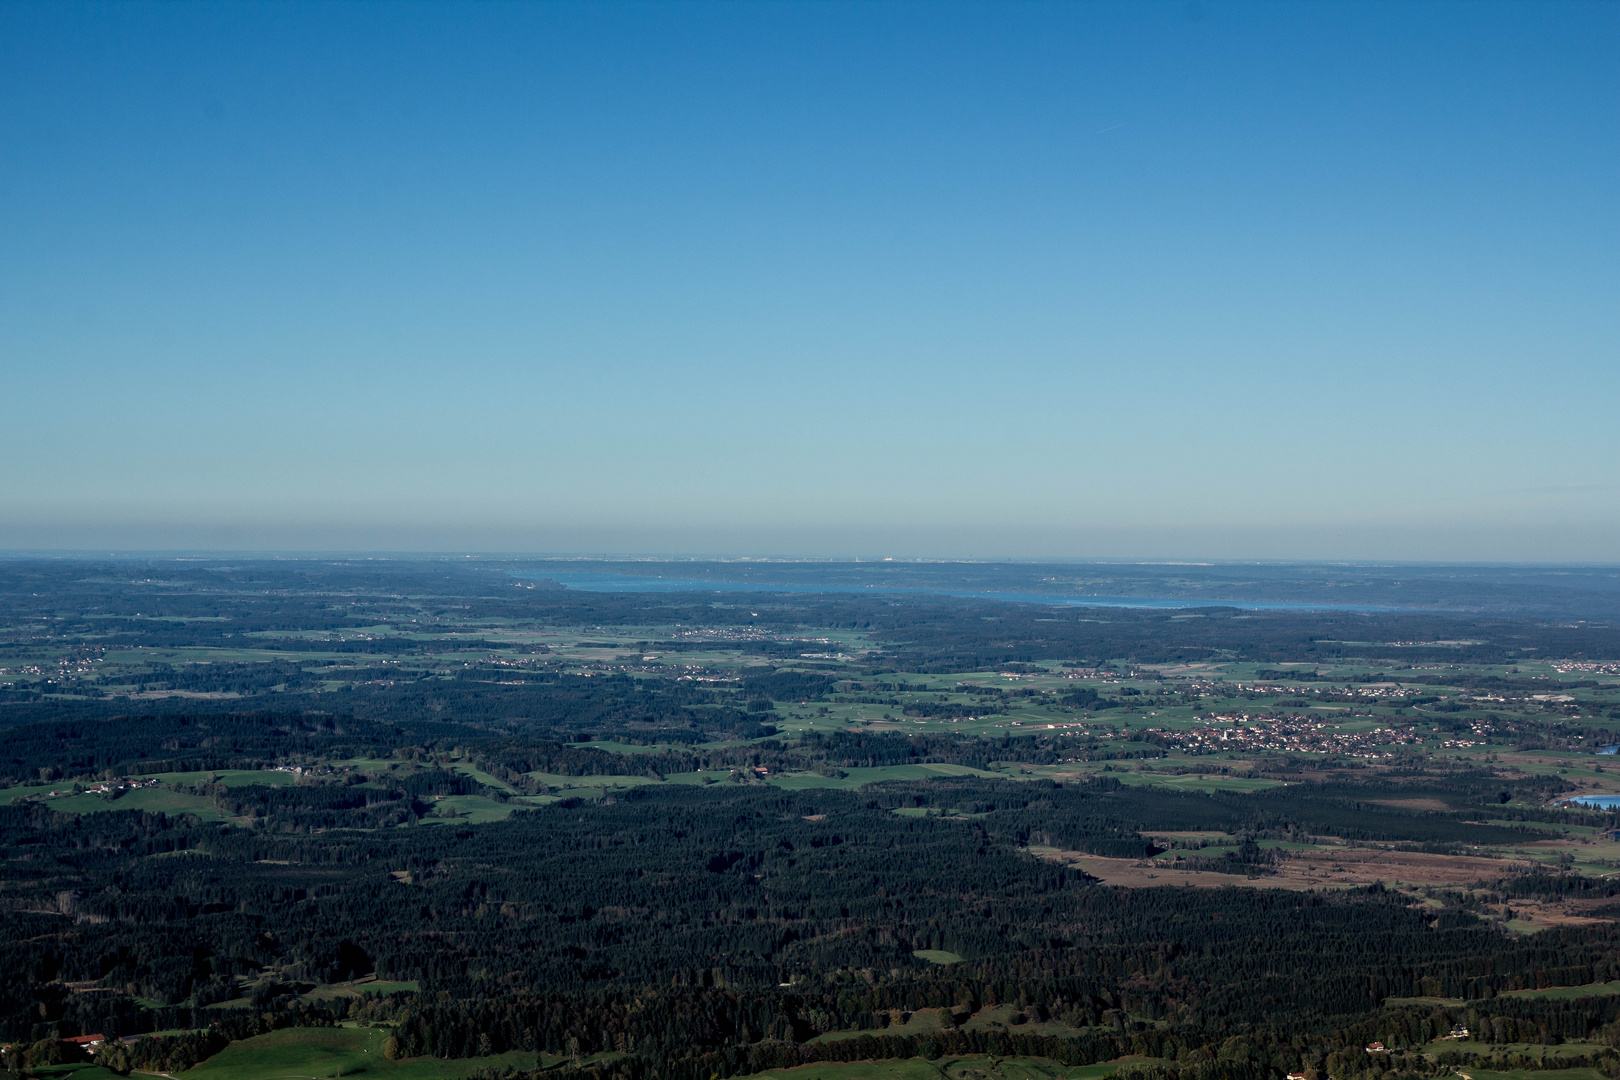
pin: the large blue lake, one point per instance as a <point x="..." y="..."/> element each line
<point x="592" y="582"/>
<point x="1598" y="802"/>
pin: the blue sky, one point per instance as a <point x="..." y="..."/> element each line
<point x="1221" y="280"/>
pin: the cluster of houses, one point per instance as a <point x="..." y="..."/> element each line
<point x="118" y="787"/>
<point x="106" y="787"/>
<point x="87" y="1044"/>
<point x="1458" y="1032"/>
<point x="1336" y="693"/>
<point x="1368" y="693"/>
<point x="1242" y="731"/>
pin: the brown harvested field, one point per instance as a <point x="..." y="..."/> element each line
<point x="1340" y="868"/>
<point x="1181" y="669"/>
<point x="1143" y="873"/>
<point x="1412" y="804"/>
<point x="1346" y="868"/>
<point x="1532" y="915"/>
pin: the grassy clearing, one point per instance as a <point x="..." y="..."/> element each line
<point x="1535" y="1050"/>
<point x="1019" y="1068"/>
<point x="233" y="1005"/>
<point x="608" y="746"/>
<point x="1569" y="993"/>
<point x="708" y="776"/>
<point x="921" y="1022"/>
<point x="483" y="777"/>
<point x="359" y="988"/>
<point x="1528" y="1074"/>
<point x="962" y="1068"/>
<point x="1094" y="1072"/>
<point x="1001" y="1017"/>
<point x="155" y="800"/>
<point x="297" y="1052"/>
<point x="467" y="810"/>
<point x="230" y="777"/>
<point x="1557" y="993"/>
<point x="909" y="1069"/>
<point x="937" y="956"/>
<point x="76" y="1071"/>
<point x="1550" y="826"/>
<point x="1210" y="852"/>
<point x="308" y="1053"/>
<point x="1204" y="784"/>
<point x="579" y="783"/>
<point x="927" y="1022"/>
<point x="860" y="777"/>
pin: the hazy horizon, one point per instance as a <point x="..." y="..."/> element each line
<point x="1573" y="546"/>
<point x="739" y="558"/>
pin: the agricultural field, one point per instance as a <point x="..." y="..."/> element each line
<point x="77" y="1071"/>
<point x="1551" y="993"/>
<point x="298" y="1053"/>
<point x="948" y="1068"/>
<point x="1528" y="1074"/>
<point x="370" y="986"/>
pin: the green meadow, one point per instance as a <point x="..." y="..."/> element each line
<point x="309" y="1053"/>
<point x="1569" y="993"/>
<point x="84" y="1071"/>
<point x="963" y="1068"/>
<point x="468" y="810"/>
<point x="369" y="987"/>
<point x="1529" y="1074"/>
<point x="860" y="777"/>
<point x="1557" y="993"/>
<point x="155" y="800"/>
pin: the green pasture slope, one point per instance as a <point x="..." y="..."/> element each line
<point x="1543" y="1052"/>
<point x="76" y="1071"/>
<point x="317" y="1053"/>
<point x="155" y="800"/>
<point x="1205" y="784"/>
<point x="1529" y="1074"/>
<point x="311" y="1053"/>
<point x="1569" y="993"/>
<point x="1557" y="993"/>
<point x="963" y="1068"/>
<point x="860" y="777"/>
<point x="367" y="987"/>
<point x="467" y="810"/>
